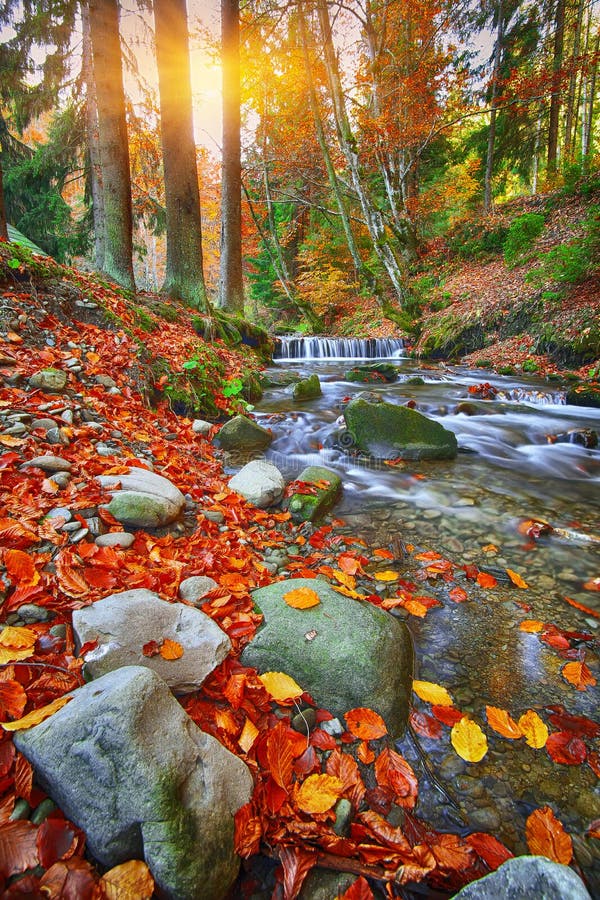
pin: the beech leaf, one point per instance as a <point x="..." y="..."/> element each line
<point x="302" y="598"/>
<point x="546" y="836"/>
<point x="365" y="724"/>
<point x="502" y="723"/>
<point x="319" y="793"/>
<point x="468" y="740"/>
<point x="534" y="729"/>
<point x="280" y="686"/>
<point x="37" y="715"/>
<point x="131" y="880"/>
<point x="432" y="693"/>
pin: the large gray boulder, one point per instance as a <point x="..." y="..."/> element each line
<point x="128" y="766"/>
<point x="123" y="623"/>
<point x="357" y="655"/>
<point x="525" y="878"/>
<point x="326" y="488"/>
<point x="241" y="433"/>
<point x="260" y="482"/>
<point x="142" y="498"/>
<point x="388" y="431"/>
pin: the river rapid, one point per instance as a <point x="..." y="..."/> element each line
<point x="477" y="509"/>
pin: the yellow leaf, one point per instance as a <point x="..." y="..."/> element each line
<point x="318" y="793"/>
<point x="248" y="735"/>
<point x="388" y="575"/>
<point x="432" y="693"/>
<point x="9" y="441"/>
<point x="17" y="637"/>
<point x="129" y="881"/>
<point x="468" y="740"/>
<point x="501" y="722"/>
<point x="280" y="686"/>
<point x="171" y="649"/>
<point x="302" y="598"/>
<point x="578" y="674"/>
<point x="534" y="729"/>
<point x="531" y="626"/>
<point x="415" y="608"/>
<point x="9" y="655"/>
<point x="348" y="581"/>
<point x="38" y="715"/>
<point x="348" y="593"/>
<point x="516" y="579"/>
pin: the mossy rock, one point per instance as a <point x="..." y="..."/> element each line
<point x="415" y="380"/>
<point x="360" y="656"/>
<point x="373" y="372"/>
<point x="241" y="433"/>
<point x="252" y="389"/>
<point x="278" y="379"/>
<point x="312" y="507"/>
<point x="584" y="395"/>
<point x="51" y="381"/>
<point x="387" y="431"/>
<point x="307" y="389"/>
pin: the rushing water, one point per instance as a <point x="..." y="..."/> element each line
<point x="292" y="347"/>
<point x="509" y="469"/>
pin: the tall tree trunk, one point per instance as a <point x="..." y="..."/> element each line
<point x="232" y="283"/>
<point x="91" y="126"/>
<point x="373" y="216"/>
<point x="489" y="165"/>
<point x="184" y="279"/>
<point x="570" y="116"/>
<point x="587" y="143"/>
<point x="3" y="228"/>
<point x="555" y="99"/>
<point x="112" y="141"/>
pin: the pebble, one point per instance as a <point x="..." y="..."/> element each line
<point x="333" y="727"/>
<point x="60" y="512"/>
<point x="304" y="721"/>
<point x="94" y="525"/>
<point x="196" y="587"/>
<point x="17" y="429"/>
<point x="44" y="424"/>
<point x="49" y="463"/>
<point x="115" y="539"/>
<point x="70" y="527"/>
<point x="61" y="478"/>
<point x="79" y="535"/>
<point x="67" y="416"/>
<point x="30" y="613"/>
<point x="213" y="515"/>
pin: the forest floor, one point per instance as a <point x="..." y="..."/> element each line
<point x="134" y="368"/>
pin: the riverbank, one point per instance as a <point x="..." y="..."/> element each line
<point x="91" y="412"/>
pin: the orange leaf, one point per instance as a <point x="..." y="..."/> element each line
<point x="13" y="699"/>
<point x="13" y="532"/>
<point x="348" y="581"/>
<point x="534" y="730"/>
<point x="131" y="880"/>
<point x="171" y="649"/>
<point x="531" y="626"/>
<point x="319" y="793"/>
<point x="388" y="575"/>
<point x="280" y="757"/>
<point x="360" y="890"/>
<point x="248" y="735"/>
<point x="248" y="831"/>
<point x="485" y="580"/>
<point x="578" y="674"/>
<point x="382" y="553"/>
<point x="546" y="836"/>
<point x="516" y="579"/>
<point x="20" y="567"/>
<point x="364" y="753"/>
<point x="392" y="771"/>
<point x="458" y="594"/>
<point x="18" y="848"/>
<point x="302" y="598"/>
<point x="501" y="722"/>
<point x="415" y="608"/>
<point x="37" y="715"/>
<point x="17" y="638"/>
<point x="365" y="724"/>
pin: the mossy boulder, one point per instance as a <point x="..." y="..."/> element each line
<point x="241" y="433"/>
<point x="584" y="395"/>
<point x="51" y="381"/>
<point x="359" y="656"/>
<point x="307" y="389"/>
<point x="252" y="388"/>
<point x="388" y="431"/>
<point x="373" y="372"/>
<point x="326" y="487"/>
<point x="278" y="379"/>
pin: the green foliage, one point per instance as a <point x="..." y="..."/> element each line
<point x="573" y="262"/>
<point x="470" y="241"/>
<point x="530" y="365"/>
<point x="522" y="233"/>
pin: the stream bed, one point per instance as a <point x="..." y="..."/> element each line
<point x="477" y="510"/>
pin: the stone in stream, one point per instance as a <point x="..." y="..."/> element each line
<point x="307" y="389"/>
<point x="373" y="372"/>
<point x="143" y="499"/>
<point x="259" y="482"/>
<point x="123" y="623"/>
<point x="143" y="782"/>
<point x="241" y="433"/>
<point x="346" y="653"/>
<point x="526" y="877"/>
<point x="327" y="486"/>
<point x="389" y="431"/>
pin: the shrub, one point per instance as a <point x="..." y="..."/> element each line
<point x="522" y="233"/>
<point x="572" y="262"/>
<point x="530" y="365"/>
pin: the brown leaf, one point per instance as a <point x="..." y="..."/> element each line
<point x="546" y="836"/>
<point x="392" y="771"/>
<point x="297" y="863"/>
<point x="280" y="757"/>
<point x="18" y="849"/>
<point x="130" y="881"/>
<point x="69" y="879"/>
<point x="365" y="724"/>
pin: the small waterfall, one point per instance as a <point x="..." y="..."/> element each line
<point x="294" y="347"/>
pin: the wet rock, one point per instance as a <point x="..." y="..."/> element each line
<point x="327" y="487"/>
<point x="43" y="424"/>
<point x="584" y="395"/>
<point x="525" y="877"/>
<point x="52" y="381"/>
<point x="49" y="463"/>
<point x="307" y="389"/>
<point x="260" y="482"/>
<point x="143" y="499"/>
<point x="585" y="437"/>
<point x="31" y="612"/>
<point x="124" y="623"/>
<point x="143" y="782"/>
<point x="360" y="655"/>
<point x="199" y="426"/>
<point x="196" y="587"/>
<point x="323" y="884"/>
<point x="241" y="433"/>
<point x="388" y="431"/>
<point x="373" y="372"/>
<point x="115" y="539"/>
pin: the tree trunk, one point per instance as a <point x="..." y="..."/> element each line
<point x="184" y="279"/>
<point x="3" y="228"/>
<point x="232" y="283"/>
<point x="112" y="141"/>
<point x="91" y="126"/>
<point x="557" y="61"/>
<point x="587" y="143"/>
<point x="489" y="165"/>
<point x="571" y="105"/>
